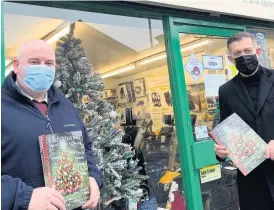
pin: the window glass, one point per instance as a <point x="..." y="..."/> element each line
<point x="206" y="68"/>
<point x="130" y="55"/>
<point x="265" y="39"/>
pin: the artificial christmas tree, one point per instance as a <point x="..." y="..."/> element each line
<point x="76" y="78"/>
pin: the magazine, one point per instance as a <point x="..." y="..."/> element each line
<point x="65" y="166"/>
<point x="246" y="148"/>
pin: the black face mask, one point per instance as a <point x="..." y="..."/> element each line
<point x="247" y="64"/>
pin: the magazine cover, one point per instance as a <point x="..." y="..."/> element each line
<point x="246" y="148"/>
<point x="65" y="166"/>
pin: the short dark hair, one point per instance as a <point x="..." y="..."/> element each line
<point x="239" y="37"/>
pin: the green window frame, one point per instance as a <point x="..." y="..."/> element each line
<point x="193" y="155"/>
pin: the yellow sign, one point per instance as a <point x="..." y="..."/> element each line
<point x="233" y="70"/>
<point x="210" y="173"/>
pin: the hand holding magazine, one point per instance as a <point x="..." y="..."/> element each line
<point x="247" y="149"/>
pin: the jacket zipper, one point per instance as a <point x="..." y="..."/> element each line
<point x="49" y="125"/>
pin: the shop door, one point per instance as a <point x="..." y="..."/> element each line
<point x="197" y="67"/>
<point x="2" y="44"/>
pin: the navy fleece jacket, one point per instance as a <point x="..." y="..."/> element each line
<point x="22" y="123"/>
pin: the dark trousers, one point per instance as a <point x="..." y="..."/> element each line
<point x="259" y="199"/>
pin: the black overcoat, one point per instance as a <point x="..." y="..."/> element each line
<point x="256" y="190"/>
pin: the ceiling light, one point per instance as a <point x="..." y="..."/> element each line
<point x="152" y="59"/>
<point x="118" y="71"/>
<point x="193" y="46"/>
<point x="156" y="58"/>
<point x="59" y="34"/>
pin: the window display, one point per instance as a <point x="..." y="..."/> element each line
<point x="126" y="57"/>
<point x="108" y="76"/>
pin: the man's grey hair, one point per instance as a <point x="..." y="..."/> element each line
<point x="239" y="37"/>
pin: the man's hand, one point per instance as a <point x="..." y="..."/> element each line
<point x="94" y="195"/>
<point x="45" y="198"/>
<point x="270" y="150"/>
<point x="221" y="151"/>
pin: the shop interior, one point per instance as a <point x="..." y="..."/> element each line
<point x="132" y="62"/>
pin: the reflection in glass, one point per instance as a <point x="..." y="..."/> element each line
<point x="129" y="53"/>
<point x="206" y="67"/>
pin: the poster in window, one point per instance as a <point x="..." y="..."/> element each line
<point x="262" y="43"/>
<point x="130" y="91"/>
<point x="139" y="88"/>
<point x="122" y="94"/>
<point x="165" y="97"/>
<point x="194" y="67"/>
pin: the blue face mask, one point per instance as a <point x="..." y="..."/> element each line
<point x="39" y="78"/>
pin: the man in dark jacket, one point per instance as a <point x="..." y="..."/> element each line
<point x="31" y="107"/>
<point x="251" y="95"/>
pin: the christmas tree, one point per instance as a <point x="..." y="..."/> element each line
<point x="68" y="178"/>
<point x="76" y="78"/>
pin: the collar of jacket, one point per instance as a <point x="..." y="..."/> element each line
<point x="29" y="96"/>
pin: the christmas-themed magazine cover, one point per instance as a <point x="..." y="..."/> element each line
<point x="246" y="148"/>
<point x="65" y="166"/>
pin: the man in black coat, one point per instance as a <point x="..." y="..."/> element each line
<point x="251" y="95"/>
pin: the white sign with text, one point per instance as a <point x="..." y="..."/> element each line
<point x="213" y="62"/>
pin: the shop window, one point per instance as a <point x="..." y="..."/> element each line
<point x="210" y="56"/>
<point x="206" y="68"/>
<point x="129" y="53"/>
<point x="265" y="39"/>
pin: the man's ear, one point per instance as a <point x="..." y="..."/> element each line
<point x="231" y="59"/>
<point x="15" y="65"/>
<point x="259" y="52"/>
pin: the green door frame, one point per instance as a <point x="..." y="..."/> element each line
<point x="2" y="43"/>
<point x="193" y="155"/>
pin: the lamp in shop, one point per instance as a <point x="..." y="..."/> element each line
<point x="156" y="58"/>
<point x="58" y="35"/>
<point x="193" y="46"/>
<point x="119" y="71"/>
<point x="152" y="59"/>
